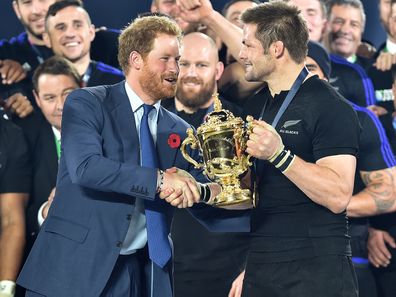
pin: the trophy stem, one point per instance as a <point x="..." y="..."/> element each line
<point x="232" y="193"/>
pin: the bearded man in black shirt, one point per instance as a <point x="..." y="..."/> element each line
<point x="299" y="242"/>
<point x="305" y="165"/>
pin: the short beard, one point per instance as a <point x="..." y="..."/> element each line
<point x="196" y="100"/>
<point x="30" y="31"/>
<point x="151" y="83"/>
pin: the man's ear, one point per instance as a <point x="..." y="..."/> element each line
<point x="136" y="60"/>
<point x="37" y="98"/>
<point x="219" y="70"/>
<point x="278" y="48"/>
<point x="15" y="6"/>
<point x="47" y="40"/>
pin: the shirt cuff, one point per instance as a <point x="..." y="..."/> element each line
<point x="40" y="218"/>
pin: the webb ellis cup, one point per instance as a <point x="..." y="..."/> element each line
<point x="222" y="141"/>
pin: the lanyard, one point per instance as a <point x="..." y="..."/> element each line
<point x="295" y="87"/>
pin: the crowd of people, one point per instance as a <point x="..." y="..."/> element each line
<point x="96" y="198"/>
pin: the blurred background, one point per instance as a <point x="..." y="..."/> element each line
<point x="117" y="13"/>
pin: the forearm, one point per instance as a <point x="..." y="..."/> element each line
<point x="12" y="244"/>
<point x="230" y="34"/>
<point x="365" y="204"/>
<point x="377" y="197"/>
<point x="321" y="184"/>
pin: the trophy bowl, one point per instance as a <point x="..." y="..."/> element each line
<point x="221" y="140"/>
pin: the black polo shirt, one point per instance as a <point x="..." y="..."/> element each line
<point x="351" y="81"/>
<point x="15" y="167"/>
<point x="287" y="225"/>
<point x="375" y="153"/>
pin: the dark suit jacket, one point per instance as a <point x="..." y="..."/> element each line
<point x="42" y="148"/>
<point x="98" y="180"/>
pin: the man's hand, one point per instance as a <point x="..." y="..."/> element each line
<point x="19" y="104"/>
<point x="183" y="184"/>
<point x="377" y="110"/>
<point x="378" y="252"/>
<point x="11" y="72"/>
<point x="385" y="61"/>
<point x="195" y="11"/>
<point x="237" y="284"/>
<point x="47" y="206"/>
<point x="264" y="142"/>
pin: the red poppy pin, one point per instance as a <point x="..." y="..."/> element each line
<point x="174" y="140"/>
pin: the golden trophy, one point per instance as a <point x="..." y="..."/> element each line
<point x="222" y="141"/>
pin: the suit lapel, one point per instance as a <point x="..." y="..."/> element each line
<point x="166" y="154"/>
<point x="48" y="148"/>
<point x="121" y="111"/>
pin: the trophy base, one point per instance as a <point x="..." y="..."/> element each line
<point x="231" y="196"/>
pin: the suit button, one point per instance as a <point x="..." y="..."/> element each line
<point x="119" y="243"/>
<point x="129" y="217"/>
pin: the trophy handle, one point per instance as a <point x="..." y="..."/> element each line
<point x="193" y="142"/>
<point x="249" y="130"/>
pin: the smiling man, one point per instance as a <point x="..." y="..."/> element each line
<point x="69" y="32"/>
<point x="345" y="27"/>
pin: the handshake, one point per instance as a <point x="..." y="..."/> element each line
<point x="180" y="189"/>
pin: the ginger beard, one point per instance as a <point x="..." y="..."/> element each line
<point x="158" y="86"/>
<point x="193" y="92"/>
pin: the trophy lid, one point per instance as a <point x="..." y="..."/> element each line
<point x="219" y="118"/>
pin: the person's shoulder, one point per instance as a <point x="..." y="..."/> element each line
<point x="92" y="94"/>
<point x="321" y="94"/>
<point x="33" y="127"/>
<point x="368" y="121"/>
<point x="339" y="63"/>
<point x="16" y="40"/>
<point x="107" y="68"/>
<point x="105" y="34"/>
<point x="104" y="74"/>
<point x="10" y="132"/>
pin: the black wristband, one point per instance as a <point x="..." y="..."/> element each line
<point x="279" y="158"/>
<point x="205" y="193"/>
<point x="287" y="163"/>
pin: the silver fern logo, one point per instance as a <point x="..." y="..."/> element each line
<point x="288" y="124"/>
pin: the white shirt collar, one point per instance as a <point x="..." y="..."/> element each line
<point x="57" y="133"/>
<point x="135" y="100"/>
<point x="391" y="47"/>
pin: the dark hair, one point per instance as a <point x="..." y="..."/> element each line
<point x="59" y="5"/>
<point x="279" y="21"/>
<point x="353" y="3"/>
<point x="319" y="54"/>
<point x="229" y="3"/>
<point x="56" y="66"/>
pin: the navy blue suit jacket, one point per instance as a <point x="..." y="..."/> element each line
<point x="99" y="178"/>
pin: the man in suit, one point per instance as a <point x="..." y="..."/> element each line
<point x="106" y="233"/>
<point x="53" y="81"/>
